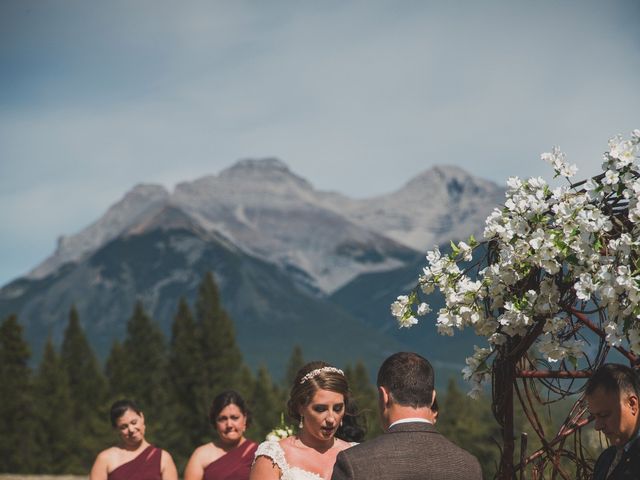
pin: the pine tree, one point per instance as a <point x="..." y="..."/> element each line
<point x="470" y="424"/>
<point x="117" y="372"/>
<point x="55" y="416"/>
<point x="88" y="390"/>
<point x="296" y="361"/>
<point x="17" y="437"/>
<point x="265" y="404"/>
<point x="365" y="396"/>
<point x="245" y="382"/>
<point x="188" y="418"/>
<point x="221" y="357"/>
<point x="139" y="371"/>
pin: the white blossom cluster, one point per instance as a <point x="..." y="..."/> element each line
<point x="281" y="431"/>
<point x="551" y="251"/>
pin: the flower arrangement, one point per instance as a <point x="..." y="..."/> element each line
<point x="281" y="431"/>
<point x="549" y="254"/>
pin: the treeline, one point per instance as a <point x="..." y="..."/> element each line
<point x="54" y="419"/>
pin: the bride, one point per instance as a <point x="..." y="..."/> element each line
<point x="318" y="401"/>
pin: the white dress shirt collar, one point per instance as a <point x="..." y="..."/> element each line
<point x="410" y="420"/>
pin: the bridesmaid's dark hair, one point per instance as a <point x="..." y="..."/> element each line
<point x="120" y="407"/>
<point x="224" y="399"/>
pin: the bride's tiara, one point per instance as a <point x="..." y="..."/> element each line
<point x="318" y="371"/>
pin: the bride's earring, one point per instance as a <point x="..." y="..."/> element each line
<point x="300" y="424"/>
<point x="340" y="422"/>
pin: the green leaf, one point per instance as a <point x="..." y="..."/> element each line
<point x="454" y="248"/>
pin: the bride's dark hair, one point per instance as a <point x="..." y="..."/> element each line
<point x="312" y="377"/>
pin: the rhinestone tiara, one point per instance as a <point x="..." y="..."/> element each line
<point x="318" y="371"/>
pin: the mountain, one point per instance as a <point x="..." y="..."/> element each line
<point x="262" y="208"/>
<point x="266" y="210"/>
<point x="294" y="264"/>
<point x="441" y="204"/>
<point x="164" y="258"/>
<point x="141" y="201"/>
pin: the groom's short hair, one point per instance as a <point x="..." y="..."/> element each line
<point x="409" y="378"/>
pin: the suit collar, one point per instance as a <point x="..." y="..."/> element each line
<point x="412" y="427"/>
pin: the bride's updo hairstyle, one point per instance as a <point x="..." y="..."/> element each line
<point x="312" y="377"/>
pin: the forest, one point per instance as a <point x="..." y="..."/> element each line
<point x="54" y="417"/>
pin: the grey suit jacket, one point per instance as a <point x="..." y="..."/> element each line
<point x="408" y="451"/>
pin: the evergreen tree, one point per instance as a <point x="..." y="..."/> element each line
<point x="17" y="432"/>
<point x="142" y="370"/>
<point x="189" y="419"/>
<point x="266" y="406"/>
<point x="245" y="382"/>
<point x="57" y="438"/>
<point x="116" y="370"/>
<point x="365" y="396"/>
<point x="221" y="357"/>
<point x="296" y="361"/>
<point x="88" y="390"/>
<point x="470" y="424"/>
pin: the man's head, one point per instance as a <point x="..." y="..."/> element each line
<point x="405" y="387"/>
<point x="612" y="395"/>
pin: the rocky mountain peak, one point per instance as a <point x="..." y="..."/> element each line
<point x="449" y="180"/>
<point x="264" y="169"/>
<point x="139" y="201"/>
<point x="263" y="208"/>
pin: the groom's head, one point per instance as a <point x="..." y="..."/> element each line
<point x="405" y="387"/>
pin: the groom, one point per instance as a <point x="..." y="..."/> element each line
<point x="411" y="448"/>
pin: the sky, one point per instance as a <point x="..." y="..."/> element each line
<point x="354" y="96"/>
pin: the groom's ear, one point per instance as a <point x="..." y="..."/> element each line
<point x="383" y="395"/>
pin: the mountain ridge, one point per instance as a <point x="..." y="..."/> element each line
<point x="291" y="262"/>
<point x="257" y="204"/>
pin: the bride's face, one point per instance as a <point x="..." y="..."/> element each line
<point x="323" y="414"/>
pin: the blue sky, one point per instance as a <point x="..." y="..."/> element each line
<point x="356" y="97"/>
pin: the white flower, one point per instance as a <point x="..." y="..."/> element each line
<point x="281" y="431"/>
<point x="423" y="309"/>
<point x="465" y="250"/>
<point x="614" y="334"/>
<point x="514" y="183"/>
<point x="399" y="307"/>
<point x="585" y="287"/>
<point x="551" y="348"/>
<point x="611" y="177"/>
<point x="407" y="322"/>
<point x="623" y="152"/>
<point x="568" y="170"/>
<point x="427" y="287"/>
<point x="557" y="160"/>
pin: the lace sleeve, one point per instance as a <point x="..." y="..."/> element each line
<point x="273" y="450"/>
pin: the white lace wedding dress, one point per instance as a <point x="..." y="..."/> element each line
<point x="273" y="450"/>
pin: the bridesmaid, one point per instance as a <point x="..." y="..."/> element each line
<point x="134" y="457"/>
<point x="228" y="457"/>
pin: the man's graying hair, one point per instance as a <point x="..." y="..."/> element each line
<point x="616" y="378"/>
<point x="408" y="378"/>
